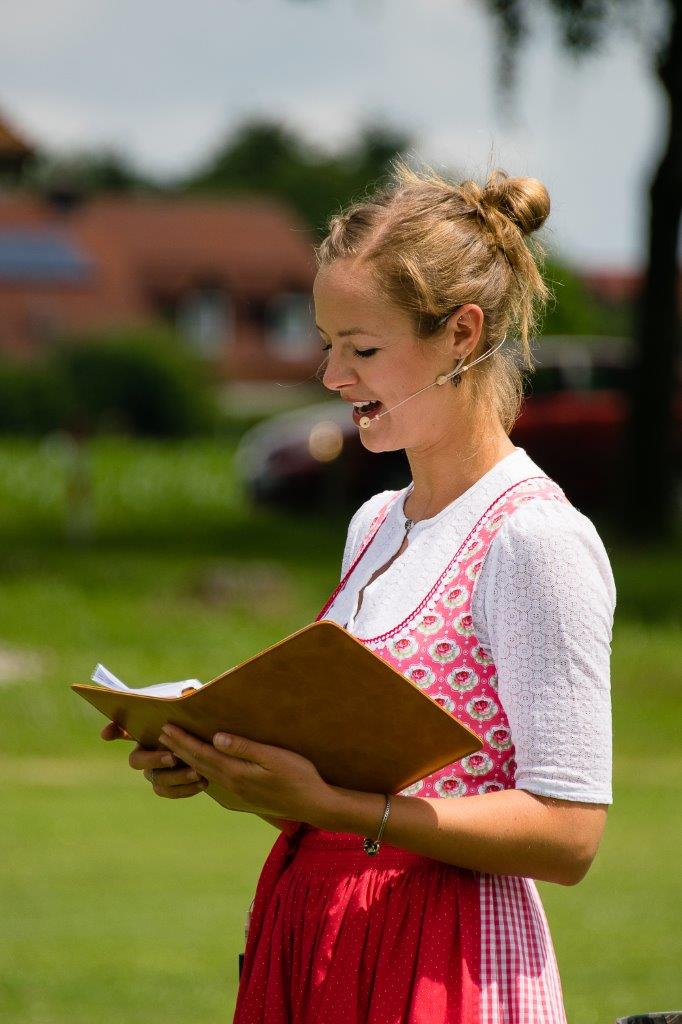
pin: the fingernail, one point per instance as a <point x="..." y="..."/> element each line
<point x="221" y="739"/>
<point x="168" y="759"/>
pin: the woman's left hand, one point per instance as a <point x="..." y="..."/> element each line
<point x="265" y="779"/>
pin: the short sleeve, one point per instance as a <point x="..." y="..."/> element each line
<point x="359" y="526"/>
<point x="543" y="606"/>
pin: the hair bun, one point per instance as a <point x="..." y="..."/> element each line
<point x="524" y="200"/>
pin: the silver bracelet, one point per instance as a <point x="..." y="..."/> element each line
<point x="371" y="846"/>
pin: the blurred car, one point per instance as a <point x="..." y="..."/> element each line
<point x="312" y="458"/>
<point x="572" y="424"/>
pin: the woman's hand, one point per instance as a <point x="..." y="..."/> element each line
<point x="167" y="780"/>
<point x="262" y="779"/>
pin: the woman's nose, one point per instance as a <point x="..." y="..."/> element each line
<point x="338" y="374"/>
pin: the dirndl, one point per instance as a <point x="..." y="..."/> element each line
<point x="340" y="937"/>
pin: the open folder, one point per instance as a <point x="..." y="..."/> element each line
<point x="319" y="692"/>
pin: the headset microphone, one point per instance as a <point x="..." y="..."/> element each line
<point x="441" y="379"/>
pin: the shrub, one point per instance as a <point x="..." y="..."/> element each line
<point x="142" y="383"/>
<point x="31" y="402"/>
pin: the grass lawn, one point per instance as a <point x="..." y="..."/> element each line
<point x="120" y="907"/>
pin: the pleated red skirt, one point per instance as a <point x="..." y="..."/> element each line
<point x="339" y="937"/>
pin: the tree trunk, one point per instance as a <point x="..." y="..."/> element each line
<point x="650" y="457"/>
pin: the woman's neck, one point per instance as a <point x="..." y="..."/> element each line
<point x="444" y="472"/>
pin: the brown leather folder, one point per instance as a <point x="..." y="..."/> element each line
<point x="319" y="692"/>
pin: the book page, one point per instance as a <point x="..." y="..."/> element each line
<point x="104" y="677"/>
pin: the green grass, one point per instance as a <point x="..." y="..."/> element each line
<point x="616" y="934"/>
<point x="119" y="907"/>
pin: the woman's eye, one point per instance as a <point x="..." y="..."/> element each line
<point x="364" y="353"/>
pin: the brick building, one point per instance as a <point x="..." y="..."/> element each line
<point x="234" y="276"/>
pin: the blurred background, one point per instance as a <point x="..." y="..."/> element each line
<point x="175" y="482"/>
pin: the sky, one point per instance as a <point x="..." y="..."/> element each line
<point x="164" y="81"/>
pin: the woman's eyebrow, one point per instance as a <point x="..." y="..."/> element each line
<point x="348" y="331"/>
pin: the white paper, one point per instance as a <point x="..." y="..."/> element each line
<point x="106" y="678"/>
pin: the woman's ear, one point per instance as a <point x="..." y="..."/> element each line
<point x="463" y="330"/>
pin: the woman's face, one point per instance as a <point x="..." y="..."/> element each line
<point x="372" y="354"/>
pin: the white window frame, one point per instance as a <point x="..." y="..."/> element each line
<point x="206" y="319"/>
<point x="290" y="325"/>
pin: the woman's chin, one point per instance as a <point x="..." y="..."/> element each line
<point x="373" y="441"/>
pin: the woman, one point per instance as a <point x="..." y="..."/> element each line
<point x="487" y="588"/>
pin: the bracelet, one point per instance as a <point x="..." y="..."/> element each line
<point x="371" y="846"/>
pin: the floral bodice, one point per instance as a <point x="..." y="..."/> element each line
<point x="437" y="649"/>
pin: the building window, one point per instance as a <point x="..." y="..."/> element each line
<point x="29" y="255"/>
<point x="205" y="317"/>
<point x="290" y="330"/>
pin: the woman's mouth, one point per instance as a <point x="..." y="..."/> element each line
<point x="369" y="409"/>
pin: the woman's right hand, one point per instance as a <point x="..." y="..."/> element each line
<point x="169" y="781"/>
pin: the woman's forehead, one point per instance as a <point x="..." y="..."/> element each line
<point x="343" y="290"/>
<point x="344" y="277"/>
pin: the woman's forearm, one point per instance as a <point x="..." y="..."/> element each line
<point x="510" y="832"/>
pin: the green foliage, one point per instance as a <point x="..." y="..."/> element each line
<point x="145" y="384"/>
<point x="137" y="382"/>
<point x="31" y="402"/>
<point x="265" y="158"/>
<point x="583" y="26"/>
<point x="574" y="310"/>
<point x="85" y="172"/>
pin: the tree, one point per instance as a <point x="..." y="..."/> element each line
<point x="650" y="503"/>
<point x="577" y="310"/>
<point x="86" y="172"/>
<point x="264" y="157"/>
<point x="652" y="473"/>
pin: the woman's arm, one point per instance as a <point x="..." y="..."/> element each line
<point x="280" y="823"/>
<point x="511" y="832"/>
<point x="287" y="825"/>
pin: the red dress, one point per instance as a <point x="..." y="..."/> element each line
<point x="338" y="937"/>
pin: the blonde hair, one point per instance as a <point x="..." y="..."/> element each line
<point x="433" y="245"/>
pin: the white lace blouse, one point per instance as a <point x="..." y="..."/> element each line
<point x="543" y="607"/>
